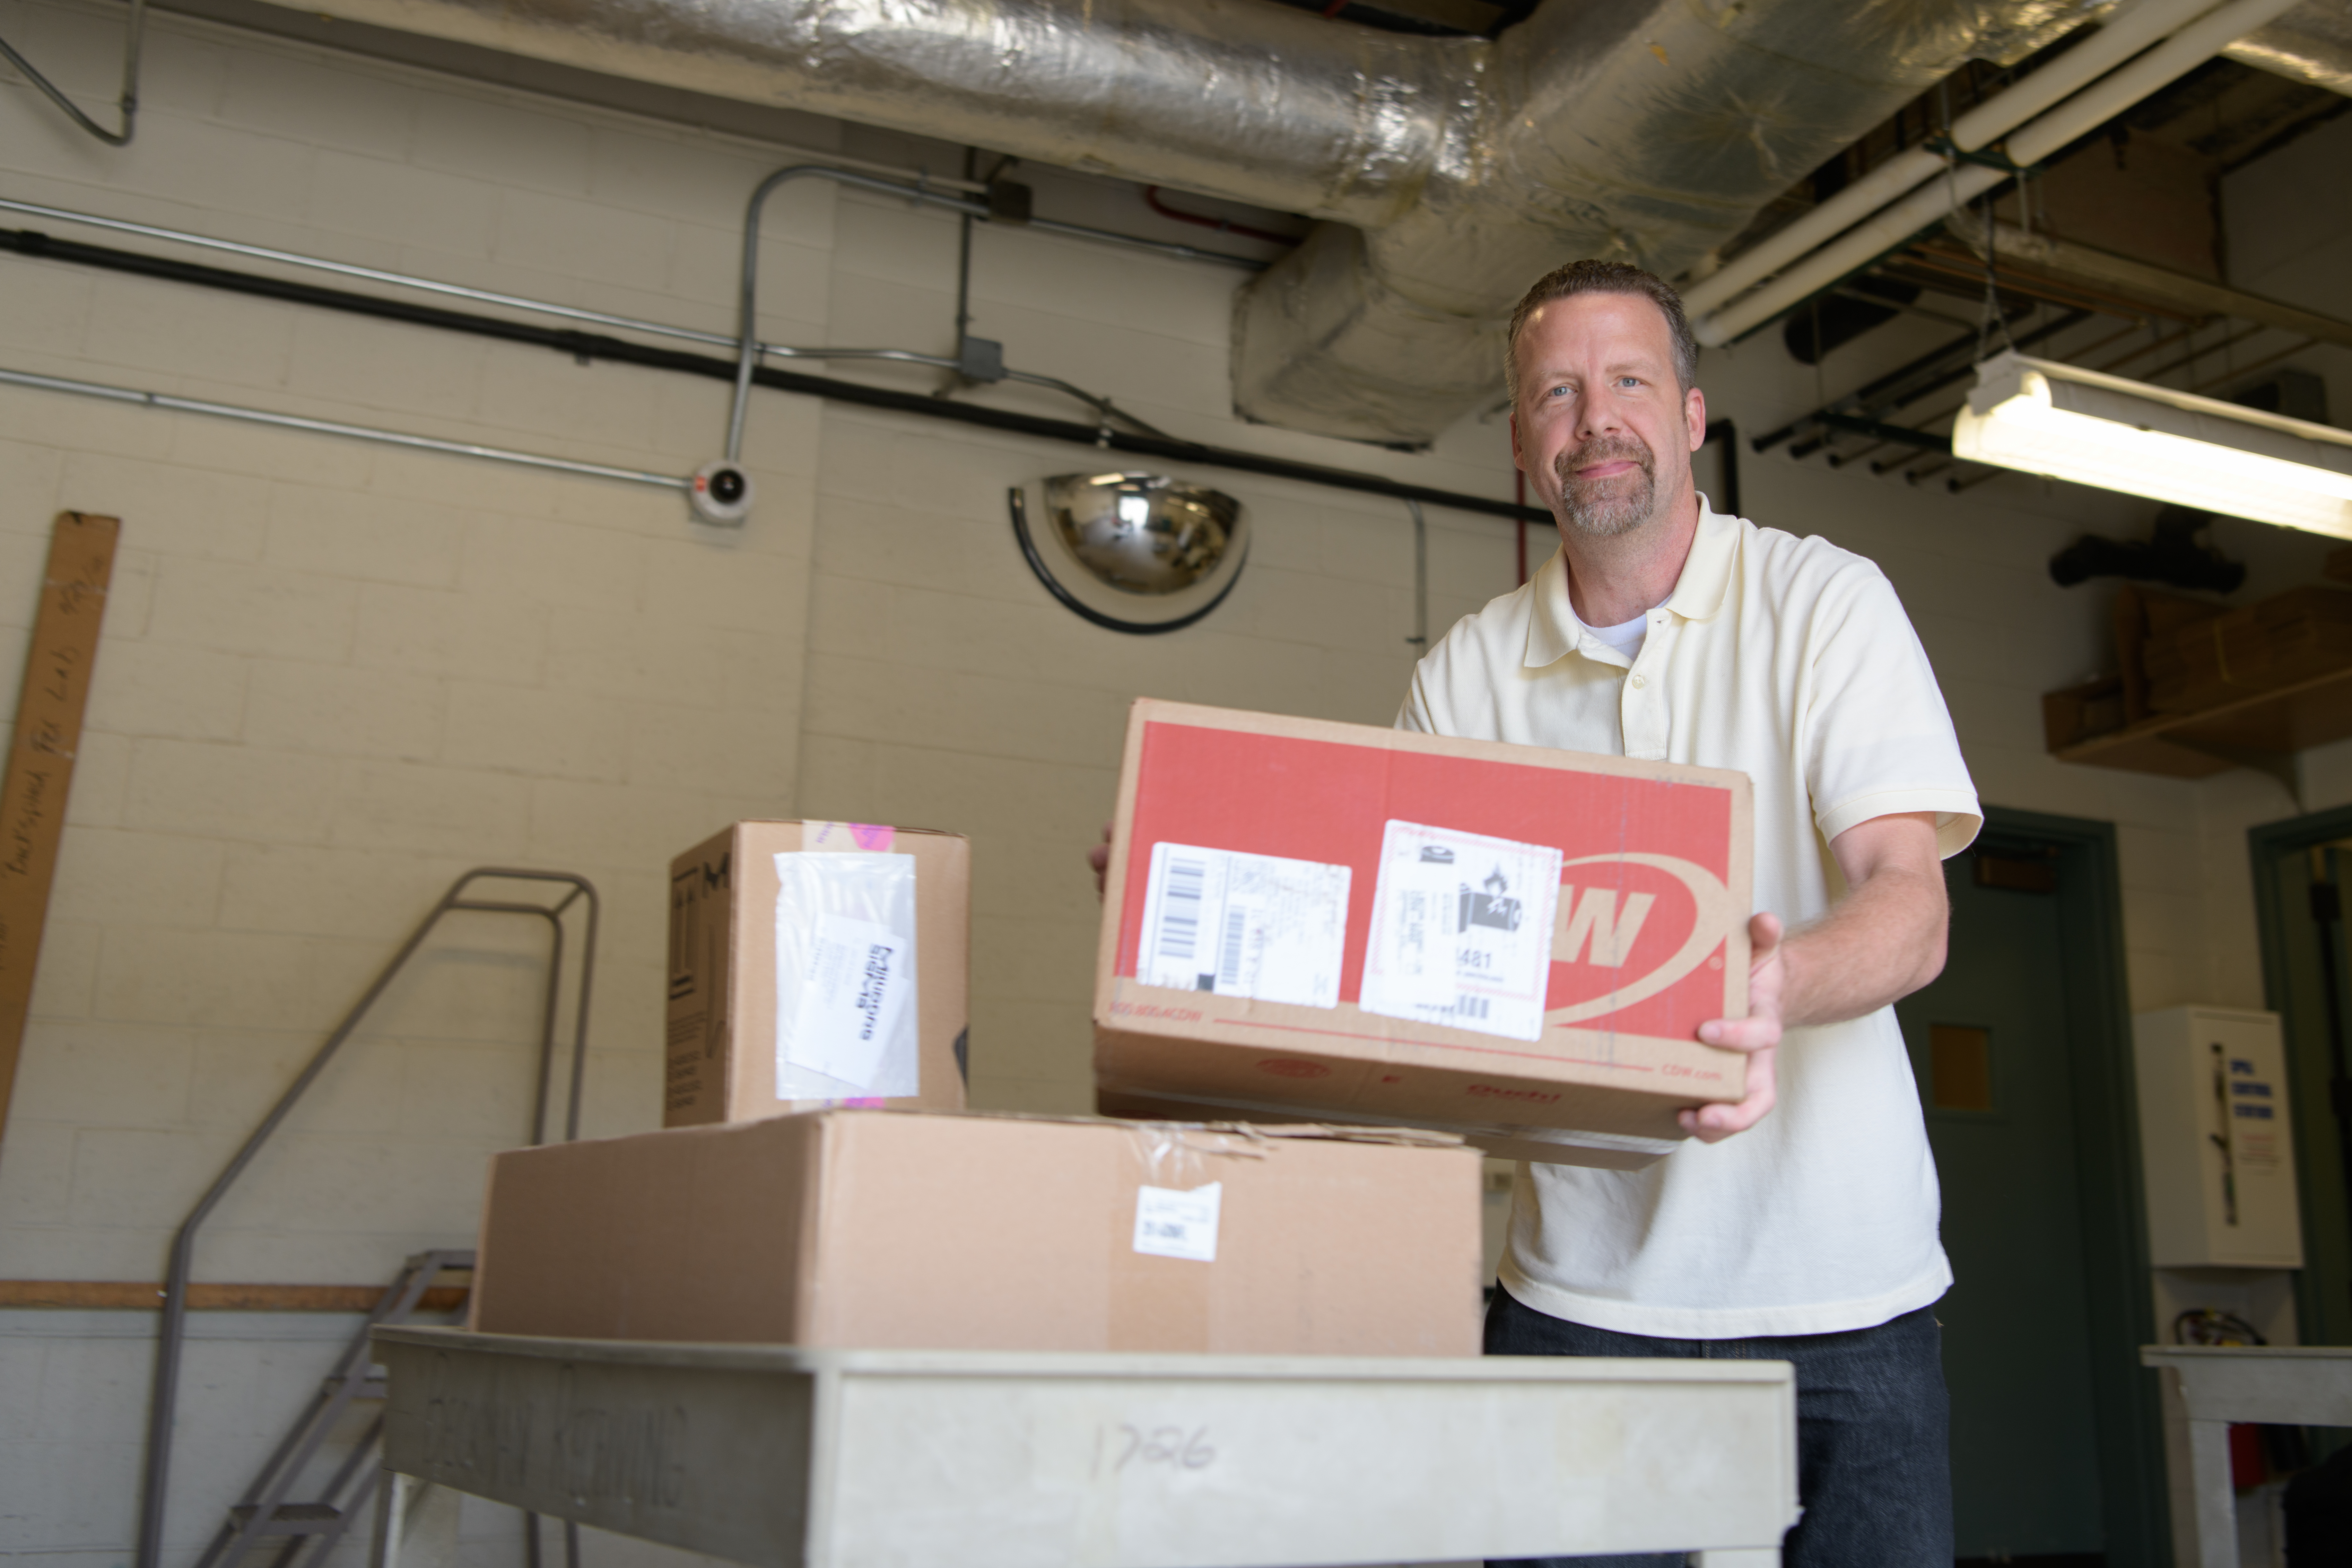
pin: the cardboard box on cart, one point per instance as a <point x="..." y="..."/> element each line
<point x="1312" y="921"/>
<point x="816" y="963"/>
<point x="877" y="1229"/>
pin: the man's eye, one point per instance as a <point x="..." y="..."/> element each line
<point x="1628" y="380"/>
<point x="1557" y="391"/>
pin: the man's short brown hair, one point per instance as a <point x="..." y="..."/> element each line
<point x="1591" y="277"/>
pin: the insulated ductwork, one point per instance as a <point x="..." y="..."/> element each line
<point x="2312" y="43"/>
<point x="1450" y="172"/>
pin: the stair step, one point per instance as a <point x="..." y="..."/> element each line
<point x="292" y="1518"/>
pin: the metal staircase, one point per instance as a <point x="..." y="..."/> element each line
<point x="264" y="1514"/>
<point x="307" y="1530"/>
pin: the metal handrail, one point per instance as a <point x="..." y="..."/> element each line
<point x="172" y="1336"/>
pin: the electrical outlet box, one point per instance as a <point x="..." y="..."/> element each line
<point x="2216" y="1146"/>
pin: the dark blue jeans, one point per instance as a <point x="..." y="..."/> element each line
<point x="1874" y="1467"/>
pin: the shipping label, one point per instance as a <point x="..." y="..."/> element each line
<point x="851" y="996"/>
<point x="1462" y="931"/>
<point x="1171" y="1223"/>
<point x="1244" y="925"/>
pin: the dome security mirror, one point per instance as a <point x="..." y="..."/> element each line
<point x="1134" y="553"/>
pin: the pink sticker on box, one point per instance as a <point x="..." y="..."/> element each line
<point x="848" y="836"/>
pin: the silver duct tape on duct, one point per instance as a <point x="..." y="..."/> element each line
<point x="1240" y="99"/>
<point x="1645" y="130"/>
<point x="2312" y="43"/>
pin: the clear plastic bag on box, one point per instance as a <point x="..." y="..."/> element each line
<point x="846" y="1019"/>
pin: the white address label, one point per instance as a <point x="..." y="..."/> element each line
<point x="1244" y="925"/>
<point x="1462" y="931"/>
<point x="1169" y="1222"/>
<point x="857" y="985"/>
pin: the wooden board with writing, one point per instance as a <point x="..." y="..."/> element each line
<point x="41" y="759"/>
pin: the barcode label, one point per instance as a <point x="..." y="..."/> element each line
<point x="1179" y="911"/>
<point x="1169" y="1222"/>
<point x="1462" y="927"/>
<point x="1244" y="925"/>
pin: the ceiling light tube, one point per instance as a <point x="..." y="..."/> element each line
<point x="2040" y="417"/>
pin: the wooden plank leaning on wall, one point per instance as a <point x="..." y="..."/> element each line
<point x="41" y="760"/>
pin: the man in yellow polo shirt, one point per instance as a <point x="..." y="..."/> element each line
<point x="1799" y="1224"/>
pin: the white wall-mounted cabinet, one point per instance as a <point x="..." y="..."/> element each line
<point x="2217" y="1149"/>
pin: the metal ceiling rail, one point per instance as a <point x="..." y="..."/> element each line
<point x="165" y="1399"/>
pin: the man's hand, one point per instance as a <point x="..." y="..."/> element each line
<point x="1099" y="858"/>
<point x="1879" y="943"/>
<point x="1758" y="1035"/>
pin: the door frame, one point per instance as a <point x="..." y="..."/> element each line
<point x="2321" y="1316"/>
<point x="2116" y="1267"/>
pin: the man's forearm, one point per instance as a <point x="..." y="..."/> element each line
<point x="1879" y="943"/>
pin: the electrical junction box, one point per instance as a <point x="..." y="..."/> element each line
<point x="2217" y="1148"/>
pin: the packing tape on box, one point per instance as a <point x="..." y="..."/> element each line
<point x="848" y="838"/>
<point x="1474" y="1133"/>
<point x="1164" y="1252"/>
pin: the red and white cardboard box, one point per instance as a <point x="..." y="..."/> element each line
<point x="1312" y="921"/>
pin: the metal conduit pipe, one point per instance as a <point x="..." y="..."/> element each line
<point x="548" y="307"/>
<point x="2117" y="41"/>
<point x="1102" y="406"/>
<point x="595" y="346"/>
<point x="749" y="349"/>
<point x="166" y="400"/>
<point x="1932" y="203"/>
<point x="126" y="104"/>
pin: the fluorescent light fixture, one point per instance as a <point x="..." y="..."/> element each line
<point x="2040" y="417"/>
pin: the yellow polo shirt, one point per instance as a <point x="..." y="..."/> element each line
<point x="1792" y="661"/>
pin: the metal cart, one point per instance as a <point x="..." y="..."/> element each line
<point x="787" y="1457"/>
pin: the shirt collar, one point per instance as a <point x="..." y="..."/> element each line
<point x="1553" y="630"/>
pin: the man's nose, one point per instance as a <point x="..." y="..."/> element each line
<point x="1597" y="415"/>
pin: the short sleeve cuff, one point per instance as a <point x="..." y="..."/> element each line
<point x="1957" y="814"/>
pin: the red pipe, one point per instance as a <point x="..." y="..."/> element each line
<point x="1520" y="482"/>
<point x="1223" y="226"/>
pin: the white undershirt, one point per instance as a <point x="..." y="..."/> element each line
<point x="1626" y="636"/>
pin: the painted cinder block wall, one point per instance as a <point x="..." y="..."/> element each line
<point x="334" y="676"/>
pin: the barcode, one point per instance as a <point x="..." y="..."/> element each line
<point x="1179" y="909"/>
<point x="1229" y="964"/>
<point x="1469" y="1007"/>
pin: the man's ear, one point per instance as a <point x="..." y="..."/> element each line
<point x="1515" y="442"/>
<point x="1694" y="415"/>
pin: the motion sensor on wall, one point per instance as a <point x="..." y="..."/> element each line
<point x="721" y="493"/>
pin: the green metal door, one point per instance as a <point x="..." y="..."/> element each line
<point x="1989" y="1044"/>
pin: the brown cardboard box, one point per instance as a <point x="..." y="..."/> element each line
<point x="2301" y="634"/>
<point x="880" y="1230"/>
<point x="1574" y="919"/>
<point x="728" y="900"/>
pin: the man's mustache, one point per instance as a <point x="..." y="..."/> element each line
<point x="1604" y="449"/>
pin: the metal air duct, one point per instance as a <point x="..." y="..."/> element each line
<point x="1451" y="172"/>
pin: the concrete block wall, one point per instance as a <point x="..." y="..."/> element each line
<point x="336" y="675"/>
